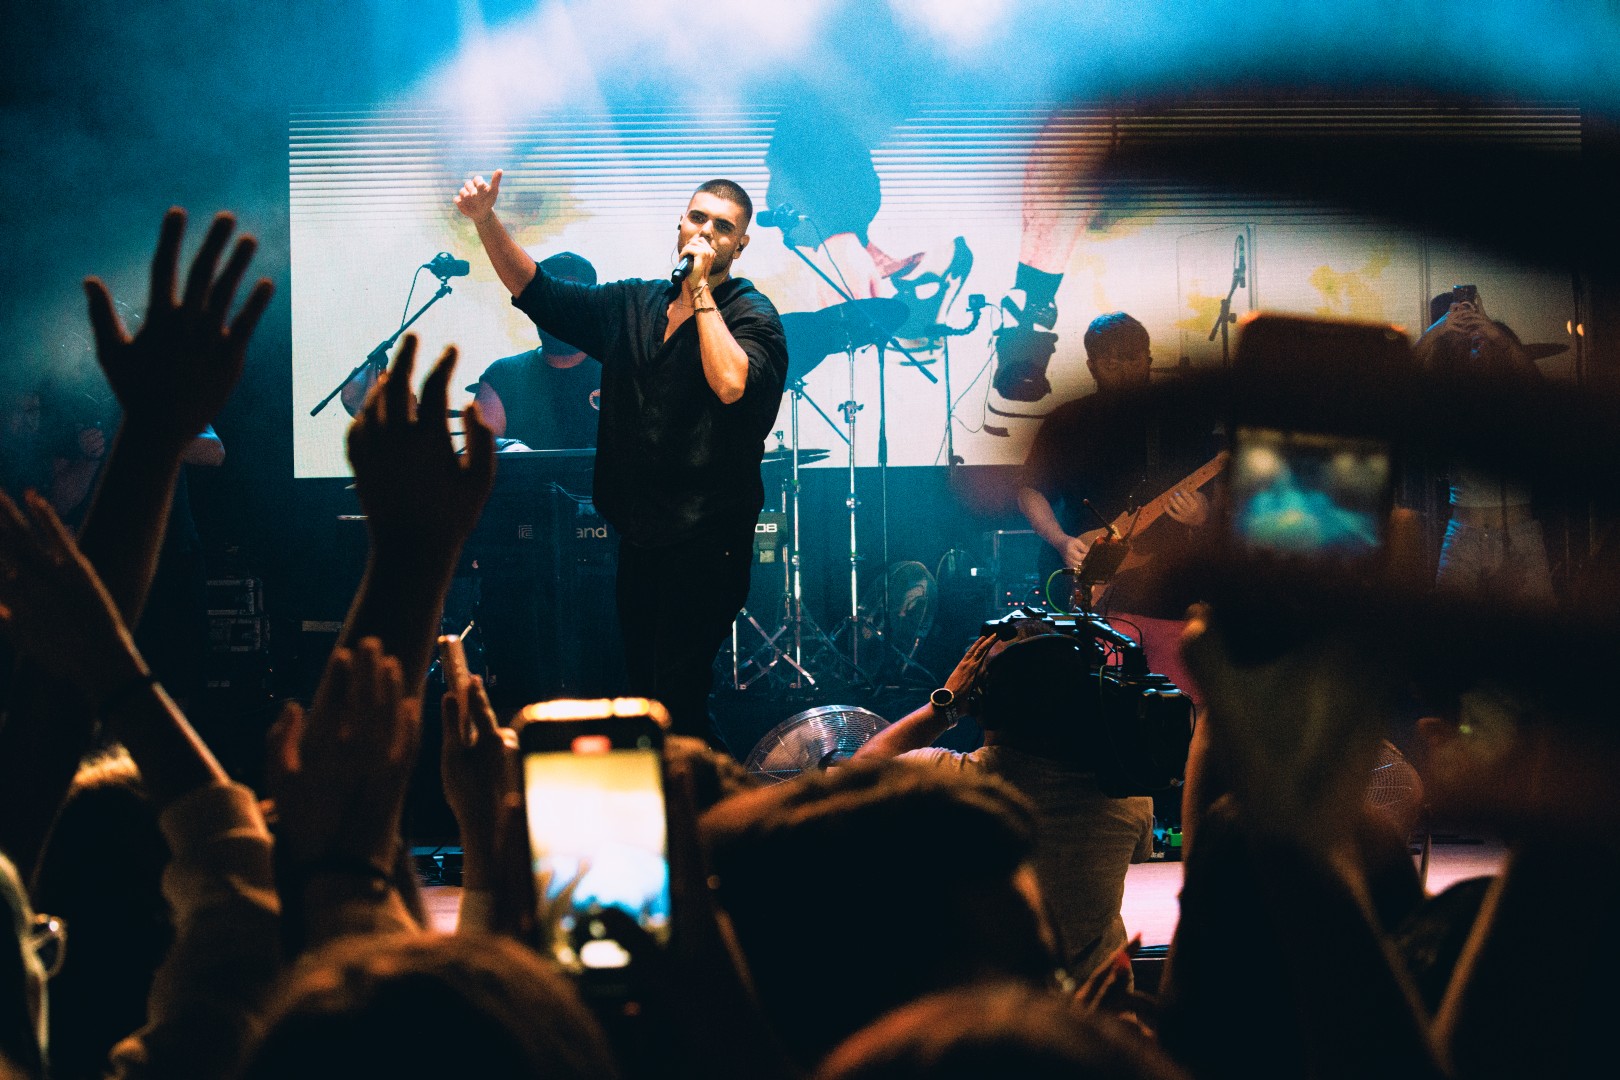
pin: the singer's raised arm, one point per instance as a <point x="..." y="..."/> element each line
<point x="476" y="201"/>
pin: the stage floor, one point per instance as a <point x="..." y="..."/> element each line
<point x="1151" y="889"/>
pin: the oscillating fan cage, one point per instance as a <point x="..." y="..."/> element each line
<point x="812" y="739"/>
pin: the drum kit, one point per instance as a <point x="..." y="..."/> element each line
<point x="879" y="636"/>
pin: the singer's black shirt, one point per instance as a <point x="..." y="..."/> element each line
<point x="672" y="461"/>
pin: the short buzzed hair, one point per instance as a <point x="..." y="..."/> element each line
<point x="731" y="191"/>
<point x="1114" y="333"/>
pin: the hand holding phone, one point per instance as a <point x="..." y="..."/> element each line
<point x="457" y="680"/>
<point x="593" y="790"/>
<point x="1306" y="484"/>
<point x="479" y="769"/>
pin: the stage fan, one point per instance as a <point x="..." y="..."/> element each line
<point x="813" y="739"/>
<point x="908" y="614"/>
<point x="1395" y="790"/>
<point x="901" y="606"/>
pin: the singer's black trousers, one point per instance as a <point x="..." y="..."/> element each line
<point x="676" y="605"/>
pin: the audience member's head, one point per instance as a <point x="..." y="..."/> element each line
<point x="1439" y="305"/>
<point x="22" y="983"/>
<point x="428" y="1005"/>
<point x="102" y="871"/>
<point x="21" y="442"/>
<point x="1461" y="353"/>
<point x="995" y="1030"/>
<point x="715" y="776"/>
<point x="860" y="888"/>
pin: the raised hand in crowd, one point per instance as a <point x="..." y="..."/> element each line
<point x="1296" y="736"/>
<point x="421" y="501"/>
<point x="479" y="767"/>
<point x="1276" y="862"/>
<point x="339" y="769"/>
<point x="58" y="614"/>
<point x="177" y="371"/>
<point x="338" y="773"/>
<point x="478" y="762"/>
<point x="54" y="608"/>
<point x="171" y="377"/>
<point x="1110" y="991"/>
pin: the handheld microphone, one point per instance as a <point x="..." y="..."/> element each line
<point x="1242" y="265"/>
<point x="446" y="265"/>
<point x="682" y="271"/>
<point x="781" y="216"/>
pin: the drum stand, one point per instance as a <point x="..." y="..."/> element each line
<point x="862" y="628"/>
<point x="786" y="642"/>
<point x="854" y="624"/>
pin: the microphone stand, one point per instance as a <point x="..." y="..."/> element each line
<point x="976" y="307"/>
<point x="378" y="358"/>
<point x="850" y="408"/>
<point x="1225" y="319"/>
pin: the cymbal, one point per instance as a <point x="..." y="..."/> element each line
<point x="784" y="456"/>
<point x="1540" y="350"/>
<point x="812" y="336"/>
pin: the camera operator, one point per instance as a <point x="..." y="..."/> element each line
<point x="1034" y="697"/>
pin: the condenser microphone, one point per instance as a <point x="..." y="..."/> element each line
<point x="682" y="271"/>
<point x="446" y="265"/>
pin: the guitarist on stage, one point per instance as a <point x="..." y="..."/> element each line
<point x="1086" y="451"/>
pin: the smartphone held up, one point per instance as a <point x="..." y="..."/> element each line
<point x="593" y="791"/>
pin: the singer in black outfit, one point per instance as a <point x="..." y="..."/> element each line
<point x="692" y="378"/>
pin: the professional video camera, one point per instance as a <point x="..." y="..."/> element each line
<point x="1137" y="737"/>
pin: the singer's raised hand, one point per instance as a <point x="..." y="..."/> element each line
<point x="476" y="199"/>
<point x="173" y="376"/>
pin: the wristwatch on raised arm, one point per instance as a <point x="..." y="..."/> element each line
<point x="945" y="703"/>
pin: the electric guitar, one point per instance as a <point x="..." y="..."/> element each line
<point x="1128" y="524"/>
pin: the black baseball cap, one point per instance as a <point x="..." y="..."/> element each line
<point x="565" y="264"/>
